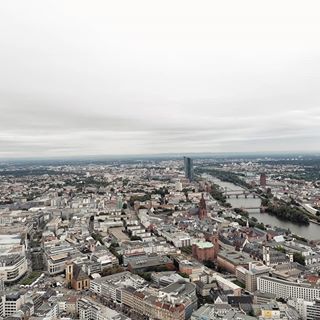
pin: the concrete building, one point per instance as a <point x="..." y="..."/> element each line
<point x="179" y="239"/>
<point x="188" y="168"/>
<point x="283" y="288"/>
<point x="55" y="258"/>
<point x="308" y="310"/>
<point x="190" y="267"/>
<point x="11" y="303"/>
<point x="174" y="302"/>
<point x="47" y="311"/>
<point x="89" y="309"/>
<point x="249" y="276"/>
<point x="165" y="278"/>
<point x="13" y="267"/>
<point x="145" y="262"/>
<point x="109" y="287"/>
<point x="230" y="260"/>
<point x="213" y="312"/>
<point x="181" y="292"/>
<point x="148" y="305"/>
<point x="227" y="285"/>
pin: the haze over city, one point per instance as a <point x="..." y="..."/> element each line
<point x="139" y="77"/>
<point x="159" y="160"/>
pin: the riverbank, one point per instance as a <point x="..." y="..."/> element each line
<point x="310" y="232"/>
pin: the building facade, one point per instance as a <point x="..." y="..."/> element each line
<point x="203" y="251"/>
<point x="188" y="168"/>
<point x="286" y="289"/>
<point x="13" y="267"/>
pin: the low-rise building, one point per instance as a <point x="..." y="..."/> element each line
<point x="230" y="260"/>
<point x="11" y="303"/>
<point x="109" y="287"/>
<point x="145" y="262"/>
<point x="308" y="310"/>
<point x="213" y="312"/>
<point x="89" y="309"/>
<point x="56" y="257"/>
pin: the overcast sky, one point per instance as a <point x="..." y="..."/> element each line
<point x="133" y="77"/>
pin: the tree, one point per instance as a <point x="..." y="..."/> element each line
<point x="298" y="257"/>
<point x="265" y="202"/>
<point x="280" y="249"/>
<point x="183" y="275"/>
<point x="208" y="263"/>
<point x="145" y="275"/>
<point x="110" y="271"/>
<point x="134" y="238"/>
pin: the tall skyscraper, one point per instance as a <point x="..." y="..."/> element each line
<point x="188" y="168"/>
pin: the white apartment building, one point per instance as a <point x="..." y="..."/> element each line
<point x="56" y="258"/>
<point x="179" y="239"/>
<point x="282" y="288"/>
<point x="308" y="310"/>
<point x="11" y="303"/>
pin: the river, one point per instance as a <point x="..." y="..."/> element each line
<point x="311" y="232"/>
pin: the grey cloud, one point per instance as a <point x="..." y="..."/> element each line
<point x="105" y="77"/>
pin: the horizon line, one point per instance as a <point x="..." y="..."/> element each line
<point x="158" y="155"/>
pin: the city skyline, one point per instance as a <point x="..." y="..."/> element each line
<point x="100" y="79"/>
<point x="159" y="160"/>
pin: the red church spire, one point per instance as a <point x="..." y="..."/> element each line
<point x="202" y="208"/>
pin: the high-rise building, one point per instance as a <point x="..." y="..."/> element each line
<point x="91" y="224"/>
<point x="188" y="168"/>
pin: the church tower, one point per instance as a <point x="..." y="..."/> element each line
<point x="69" y="272"/>
<point x="202" y="208"/>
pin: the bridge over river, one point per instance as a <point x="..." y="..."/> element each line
<point x="241" y="193"/>
<point x="239" y="197"/>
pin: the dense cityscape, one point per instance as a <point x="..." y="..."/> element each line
<point x="159" y="160"/>
<point x="162" y="238"/>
